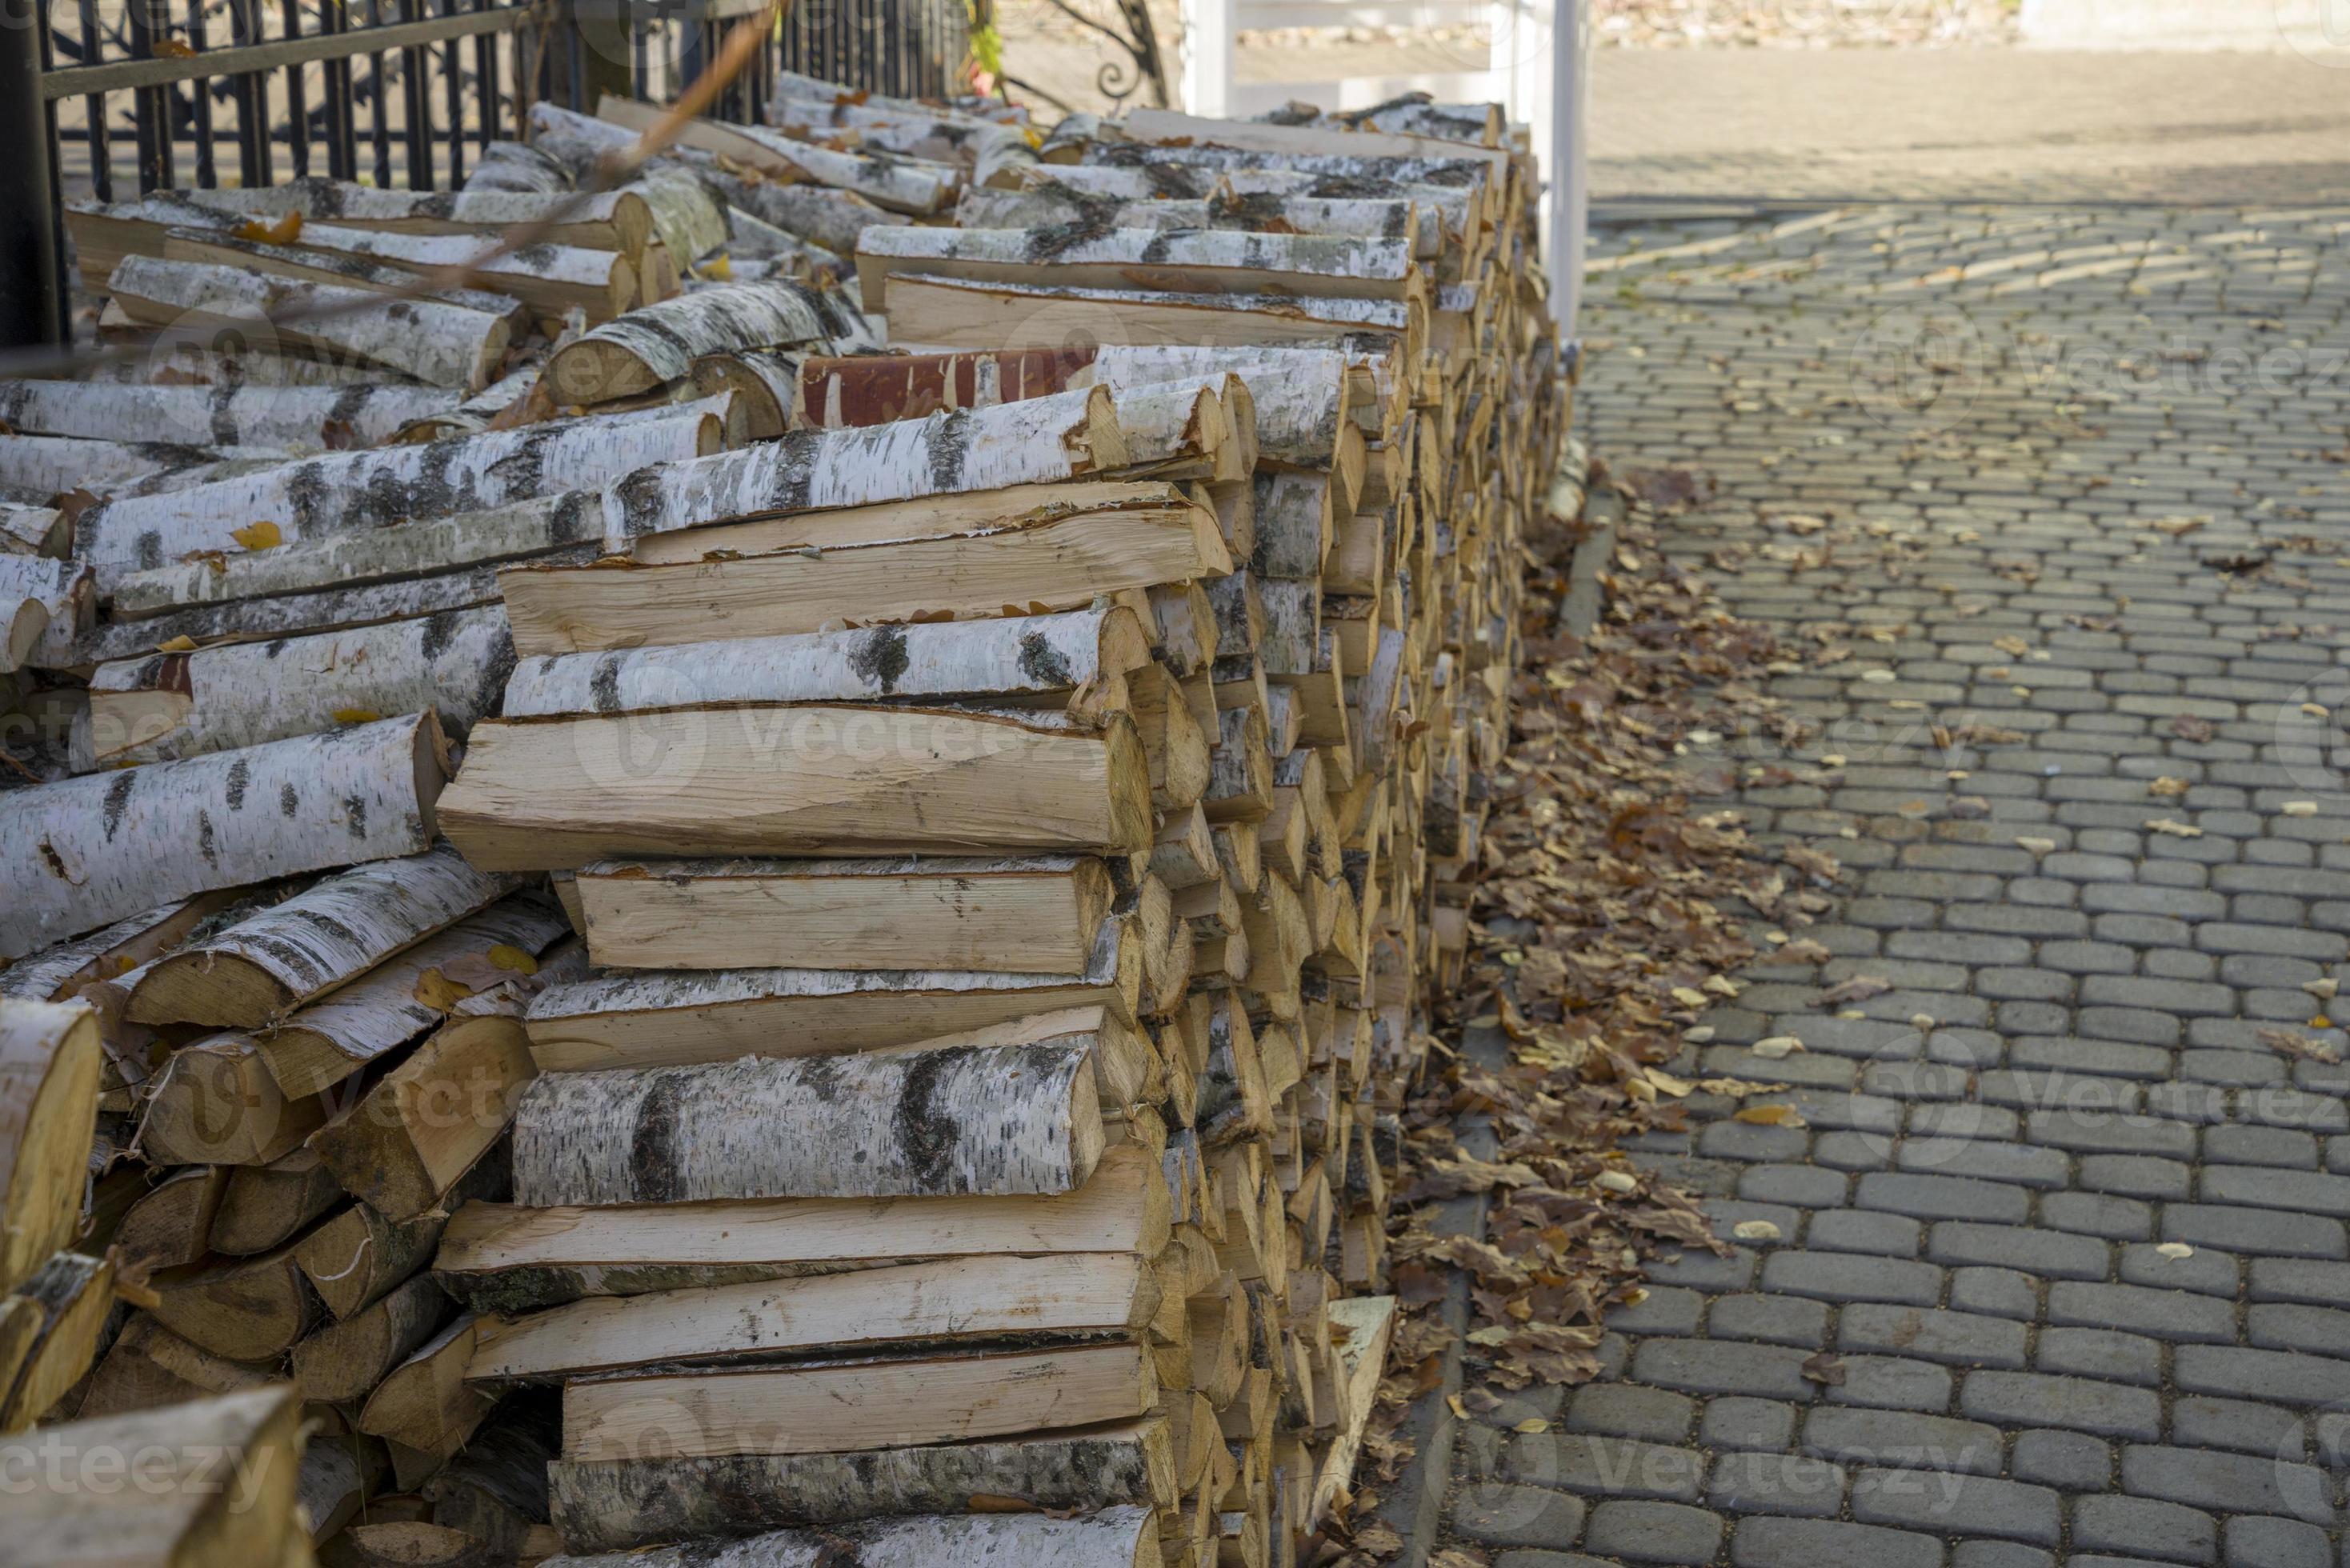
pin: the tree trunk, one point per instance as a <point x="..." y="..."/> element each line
<point x="370" y="556"/>
<point x="941" y="313"/>
<point x="171" y="706"/>
<point x="1035" y="916"/>
<point x="365" y="489"/>
<point x="617" y="1505"/>
<point x="87" y="851"/>
<point x="1115" y="1538"/>
<point x="340" y="927"/>
<point x="404" y="1146"/>
<point x="659" y="343"/>
<point x="815" y="780"/>
<point x="343" y="1362"/>
<point x="1041" y="655"/>
<point x="862" y="1312"/>
<point x="441" y="345"/>
<point x="857" y="1406"/>
<point x="1043" y="441"/>
<point x="502" y="1258"/>
<point x="939" y="1122"/>
<point x="50" y="1061"/>
<point x="291" y="419"/>
<point x="411" y="992"/>
<point x="1181" y="261"/>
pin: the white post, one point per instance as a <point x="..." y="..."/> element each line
<point x="1538" y="70"/>
<point x="1207" y="57"/>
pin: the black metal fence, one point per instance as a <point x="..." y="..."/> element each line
<point x="112" y="99"/>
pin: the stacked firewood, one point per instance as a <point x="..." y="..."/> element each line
<point x="999" y="690"/>
<point x="55" y="1301"/>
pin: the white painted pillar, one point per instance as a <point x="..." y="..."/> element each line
<point x="1538" y="65"/>
<point x="1207" y="57"/>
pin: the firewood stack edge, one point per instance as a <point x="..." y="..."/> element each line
<point x="776" y="878"/>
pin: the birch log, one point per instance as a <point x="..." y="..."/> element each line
<point x="27" y="529"/>
<point x="87" y="851"/>
<point x="952" y="1120"/>
<point x="875" y="389"/>
<point x="45" y="605"/>
<point x="911" y="185"/>
<point x="1192" y="261"/>
<point x="1297" y="392"/>
<point x="505" y="165"/>
<point x="1115" y="1538"/>
<point x="657" y="344"/>
<point x="50" y="1060"/>
<point x="762" y="382"/>
<point x="613" y="220"/>
<point x="215" y="1103"/>
<point x="549" y="278"/>
<point x="1042" y="440"/>
<point x="73" y="1295"/>
<point x="1027" y="655"/>
<point x="856" y="1313"/>
<point x="827" y="218"/>
<point x="223" y="246"/>
<point x="412" y="991"/>
<point x="815" y="780"/>
<point x="682" y="1017"/>
<point x="55" y="972"/>
<point x="943" y="312"/>
<point x="440" y="344"/>
<point x="293" y="418"/>
<point x="45" y="465"/>
<point x="323" y="937"/>
<point x="365" y="557"/>
<point x="1333" y="217"/>
<point x="1045" y="203"/>
<point x="617" y="1505"/>
<point x="389" y="485"/>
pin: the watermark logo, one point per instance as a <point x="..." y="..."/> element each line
<point x="2316" y="30"/>
<point x="1920" y="371"/>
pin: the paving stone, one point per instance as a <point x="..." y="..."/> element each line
<point x="2100" y="1353"/>
<point x="2049" y="1253"/>
<point x="1626" y="1410"/>
<point x="2199" y="1422"/>
<point x="1668" y="1310"/>
<point x="1701" y="1366"/>
<point x="1539" y="1559"/>
<point x="2292" y="1280"/>
<point x="1851" y="1276"/>
<point x="1502" y="1514"/>
<point x="1892" y="1383"/>
<point x="2094" y="1214"/>
<point x="2069" y="1461"/>
<point x="1999" y="1555"/>
<point x="1943" y="1197"/>
<point x="1898" y="1439"/>
<point x="2273" y="1231"/>
<point x="2309" y="1191"/>
<point x="1865" y="1230"/>
<point x="1735" y="1422"/>
<point x="2169" y="1315"/>
<point x="2136" y="1176"/>
<point x="1769" y="1542"/>
<point x="2024" y="1399"/>
<point x="1655" y="1533"/>
<point x="1964" y="1505"/>
<point x="1777" y="1483"/>
<point x="1770" y="1320"/>
<point x="2252" y="1541"/>
<point x="1804" y="1185"/>
<point x="1610" y="1467"/>
<point x="2273" y="1377"/>
<point x="1995" y="1293"/>
<point x="2145" y="1527"/>
<point x="1961" y="1338"/>
<point x="2248" y="1483"/>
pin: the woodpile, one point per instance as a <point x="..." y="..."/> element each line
<point x="774" y="912"/>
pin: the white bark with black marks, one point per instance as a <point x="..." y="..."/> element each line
<point x="49" y="466"/>
<point x="87" y="851"/>
<point x="619" y="216"/>
<point x="910" y="185"/>
<point x="945" y="1121"/>
<point x="1293" y="525"/>
<point x="387" y="486"/>
<point x="829" y="219"/>
<point x="940" y="313"/>
<point x="30" y="530"/>
<point x="1114" y="1538"/>
<point x="291" y="419"/>
<point x="1297" y="390"/>
<point x="50" y="1062"/>
<point x="45" y="604"/>
<point x="1189" y="261"/>
<point x="657" y="344"/>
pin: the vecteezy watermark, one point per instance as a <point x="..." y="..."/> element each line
<point x="2316" y="30"/>
<point x="1921" y="371"/>
<point x="57" y="1463"/>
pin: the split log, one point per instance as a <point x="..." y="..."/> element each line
<point x="358" y="1257"/>
<point x="1084" y="1294"/>
<point x="71" y="1296"/>
<point x="762" y="382"/>
<point x="875" y="389"/>
<point x="406" y="1145"/>
<point x="30" y="530"/>
<point x="362" y="490"/>
<point x="918" y="517"/>
<point x="291" y="953"/>
<point x="148" y="1367"/>
<point x="657" y="344"/>
<point x="617" y="1505"/>
<point x="246" y="1309"/>
<point x="549" y="277"/>
<point x="347" y="561"/>
<point x="613" y="220"/>
<point x="1054" y="560"/>
<point x="1195" y="429"/>
<point x="1032" y="916"/>
<point x="91" y="850"/>
<point x="505" y="165"/>
<point x="406" y="1544"/>
<point x="209" y="1474"/>
<point x="344" y="1362"/>
<point x="266" y="1205"/>
<point x="496" y="1490"/>
<point x="501" y="1257"/>
<point x="170" y="1225"/>
<point x="1042" y="440"/>
<point x="939" y="311"/>
<point x="414" y="989"/>
<point x="291" y="419"/>
<point x="988" y="1120"/>
<point x="1298" y="393"/>
<point x="1292" y="627"/>
<point x="1365" y="217"/>
<point x="820" y="779"/>
<point x="675" y="1017"/>
<point x="1295" y="518"/>
<point x="1114" y="1538"/>
<point x="1184" y="260"/>
<point x="855" y="1406"/>
<point x="215" y="1103"/>
<point x="1176" y="745"/>
<point x="45" y="606"/>
<point x="827" y="218"/>
<point x="50" y="1063"/>
<point x="426" y="1404"/>
<point x="1185" y="853"/>
<point x="1017" y="658"/>
<point x="439" y="344"/>
<point x="171" y="706"/>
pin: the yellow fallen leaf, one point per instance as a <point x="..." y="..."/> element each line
<point x="2037" y="846"/>
<point x="356" y="715"/>
<point x="1755" y="1230"/>
<point x="1617" y="1181"/>
<point x="1666" y="1084"/>
<point x="437" y="992"/>
<point x="2168" y="788"/>
<point x="284" y="232"/>
<point x="2322" y="990"/>
<point x="2175" y="1250"/>
<point x="2175" y="829"/>
<point x="1532" y="1426"/>
<point x="182" y="644"/>
<point x="1771" y="1116"/>
<point x="1687" y="996"/>
<point x="1773" y="1047"/>
<point x="507" y="956"/>
<point x="718" y="269"/>
<point x="2299" y="808"/>
<point x="262" y="535"/>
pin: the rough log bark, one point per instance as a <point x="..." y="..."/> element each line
<point x="1295" y="524"/>
<point x="501" y="1257"/>
<point x="549" y="278"/>
<point x="293" y="418"/>
<point x="1115" y="1538"/>
<point x="87" y="851"/>
<point x="441" y="345"/>
<point x="824" y="217"/>
<point x="617" y="1505"/>
<point x="989" y="1120"/>
<point x="335" y="931"/>
<point x="939" y="312"/>
<point x="1024" y="655"/>
<point x="614" y="220"/>
<point x="1297" y="392"/>
<point x="814" y="780"/>
<point x="409" y="992"/>
<point x="1043" y="441"/>
<point x="30" y="530"/>
<point x="171" y="706"/>
<point x="219" y="244"/>
<point x="415" y="1135"/>
<point x="365" y="489"/>
<point x="649" y="1019"/>
<point x="1185" y="261"/>
<point x="50" y="1061"/>
<point x="1084" y="1294"/>
<point x="46" y="466"/>
<point x="659" y="343"/>
<point x="857" y="1406"/>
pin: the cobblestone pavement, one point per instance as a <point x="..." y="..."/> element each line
<point x="2073" y="486"/>
<point x="2021" y="125"/>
